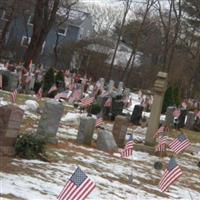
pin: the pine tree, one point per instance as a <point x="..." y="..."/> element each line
<point x="176" y="96"/>
<point x="168" y="99"/>
<point x="48" y="80"/>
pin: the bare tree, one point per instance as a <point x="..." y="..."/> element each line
<point x="127" y="5"/>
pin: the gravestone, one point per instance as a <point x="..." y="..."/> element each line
<point x="169" y="119"/>
<point x="136" y="114"/>
<point x="111" y="86"/>
<point x="86" y="130"/>
<point x="119" y="130"/>
<point x="160" y="86"/>
<point x="50" y="119"/>
<point x="181" y="118"/>
<point x="126" y="92"/>
<point x="102" y="82"/>
<point x="120" y="88"/>
<point x="10" y="120"/>
<point x="190" y="120"/>
<point x="106" y="142"/>
<point x="117" y="106"/>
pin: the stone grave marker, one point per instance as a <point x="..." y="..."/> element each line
<point x="181" y="118"/>
<point x="169" y="119"/>
<point x="111" y="86"/>
<point x="50" y="119"/>
<point x="86" y="130"/>
<point x="120" y="88"/>
<point x="136" y="114"/>
<point x="102" y="82"/>
<point x="120" y="129"/>
<point x="10" y="120"/>
<point x="106" y="142"/>
<point x="190" y="120"/>
<point x="117" y="106"/>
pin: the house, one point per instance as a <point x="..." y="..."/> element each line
<point x="78" y="26"/>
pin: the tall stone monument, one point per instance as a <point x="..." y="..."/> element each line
<point x="10" y="120"/>
<point x="160" y="86"/>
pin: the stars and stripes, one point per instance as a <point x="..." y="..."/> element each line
<point x="13" y="96"/>
<point x="176" y="113"/>
<point x="108" y="103"/>
<point x="198" y="115"/>
<point x="171" y="174"/>
<point x="128" y="149"/>
<point x="63" y="95"/>
<point x="162" y="144"/>
<point x="159" y="131"/>
<point x="52" y="89"/>
<point x="39" y="93"/>
<point x="87" y="101"/>
<point x="99" y="122"/>
<point x="78" y="187"/>
<point x="180" y="143"/>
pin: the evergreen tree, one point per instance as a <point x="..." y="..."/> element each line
<point x="48" y="80"/>
<point x="176" y="96"/>
<point x="168" y="99"/>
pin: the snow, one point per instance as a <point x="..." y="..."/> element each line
<point x="32" y="105"/>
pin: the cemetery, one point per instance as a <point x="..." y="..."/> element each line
<point x="72" y="139"/>
<point x="99" y="100"/>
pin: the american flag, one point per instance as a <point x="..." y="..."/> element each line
<point x="13" y="96"/>
<point x="108" y="103"/>
<point x="39" y="93"/>
<point x="171" y="174"/>
<point x="198" y="115"/>
<point x="128" y="149"/>
<point x="162" y="142"/>
<point x="62" y="95"/>
<point x="52" y="89"/>
<point x="99" y="122"/>
<point x="159" y="131"/>
<point x="180" y="143"/>
<point x="87" y="101"/>
<point x="176" y="113"/>
<point x="184" y="104"/>
<point x="78" y="187"/>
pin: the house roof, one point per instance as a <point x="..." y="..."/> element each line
<point x="76" y="17"/>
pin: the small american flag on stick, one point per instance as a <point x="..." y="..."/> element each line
<point x="171" y="174"/>
<point x="180" y="143"/>
<point x="176" y="113"/>
<point x="39" y="94"/>
<point x="159" y="131"/>
<point x="87" y="101"/>
<point x="52" y="89"/>
<point x="198" y="115"/>
<point x="108" y="103"/>
<point x="162" y="142"/>
<point x="13" y="96"/>
<point x="78" y="187"/>
<point x="128" y="149"/>
<point x="99" y="122"/>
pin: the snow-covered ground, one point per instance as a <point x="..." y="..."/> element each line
<point x="38" y="180"/>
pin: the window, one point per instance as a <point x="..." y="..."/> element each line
<point x="30" y="21"/>
<point x="62" y="31"/>
<point x="25" y="41"/>
<point x="5" y="16"/>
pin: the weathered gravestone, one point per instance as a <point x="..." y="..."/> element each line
<point x="50" y="119"/>
<point x="120" y="88"/>
<point x="106" y="142"/>
<point x="10" y="120"/>
<point x="102" y="82"/>
<point x="181" y="118"/>
<point x="160" y="86"/>
<point x="117" y="106"/>
<point x="120" y="129"/>
<point x="136" y="114"/>
<point x="169" y="119"/>
<point x="111" y="86"/>
<point x="190" y="120"/>
<point x="9" y="80"/>
<point x="86" y="130"/>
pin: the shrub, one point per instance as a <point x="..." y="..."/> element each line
<point x="95" y="109"/>
<point x="29" y="146"/>
<point x="48" y="80"/>
<point x="168" y="99"/>
<point x="176" y="96"/>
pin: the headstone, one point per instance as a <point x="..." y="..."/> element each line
<point x="181" y="118"/>
<point x="50" y="119"/>
<point x="169" y="119"/>
<point x="120" y="88"/>
<point x="119" y="130"/>
<point x="106" y="142"/>
<point x="190" y="120"/>
<point x="160" y="86"/>
<point x="117" y="106"/>
<point x="111" y="86"/>
<point x="10" y="120"/>
<point x="102" y="82"/>
<point x="126" y="92"/>
<point x="136" y="114"/>
<point x="86" y="130"/>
